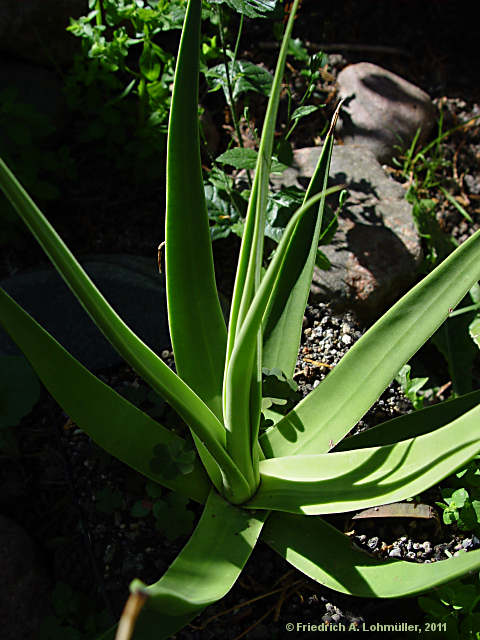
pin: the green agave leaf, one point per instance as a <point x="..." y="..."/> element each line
<point x="362" y="478"/>
<point x="242" y="403"/>
<point x="19" y="390"/>
<point x="111" y="421"/>
<point x="237" y="398"/>
<point x="325" y="416"/>
<point x="283" y="326"/>
<point x="197" y="326"/>
<point x="250" y="259"/>
<point x="209" y="564"/>
<point x="413" y="424"/>
<point x="196" y="414"/>
<point x="329" y="557"/>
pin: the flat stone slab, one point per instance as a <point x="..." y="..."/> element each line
<point x="381" y="110"/>
<point x="131" y="284"/>
<point x="376" y="250"/>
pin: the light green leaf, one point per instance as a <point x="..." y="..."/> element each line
<point x="197" y="327"/>
<point x="283" y="326"/>
<point x="212" y="559"/>
<point x="474" y="330"/>
<point x="242" y="410"/>
<point x="134" y="435"/>
<point x="412" y="424"/>
<point x="153" y="370"/>
<point x="353" y="480"/>
<point x="237" y="404"/>
<point x="325" y="416"/>
<point x="331" y="558"/>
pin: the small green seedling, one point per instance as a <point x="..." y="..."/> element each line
<point x="274" y="484"/>
<point x="460" y="509"/>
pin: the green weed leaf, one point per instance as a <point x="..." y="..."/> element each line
<point x="245" y="76"/>
<point x="301" y="112"/>
<point x="150" y="63"/>
<point x="251" y="8"/>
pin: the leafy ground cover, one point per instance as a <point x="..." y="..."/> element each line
<point x="115" y="520"/>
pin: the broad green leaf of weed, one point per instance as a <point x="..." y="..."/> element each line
<point x="245" y="76"/>
<point x="252" y="8"/>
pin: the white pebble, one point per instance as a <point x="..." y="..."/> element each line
<point x="346" y="339"/>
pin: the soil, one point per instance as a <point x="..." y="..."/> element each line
<point x="55" y="487"/>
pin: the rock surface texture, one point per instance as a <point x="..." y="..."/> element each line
<point x="25" y="587"/>
<point x="376" y="250"/>
<point x="381" y="109"/>
<point x="132" y="286"/>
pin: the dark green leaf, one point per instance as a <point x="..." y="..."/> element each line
<point x="321" y="261"/>
<point x="279" y="391"/>
<point x="153" y="489"/>
<point x="284" y="152"/>
<point x="173" y="517"/>
<point x="149" y="63"/>
<point x="297" y="50"/>
<point x="239" y="158"/>
<point x="19" y="389"/>
<point x="456" y="346"/>
<point x="244" y="76"/>
<point x="280" y="208"/>
<point x="174" y="459"/>
<point x="433" y="607"/>
<point x="251" y="8"/>
<point x="140" y="509"/>
<point x="301" y="112"/>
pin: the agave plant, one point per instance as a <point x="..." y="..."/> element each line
<point x="273" y="485"/>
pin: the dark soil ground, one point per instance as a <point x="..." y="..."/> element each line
<point x="76" y="502"/>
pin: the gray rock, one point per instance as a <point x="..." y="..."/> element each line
<point x="381" y="110"/>
<point x="376" y="250"/>
<point x="24" y="595"/>
<point x="131" y="284"/>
